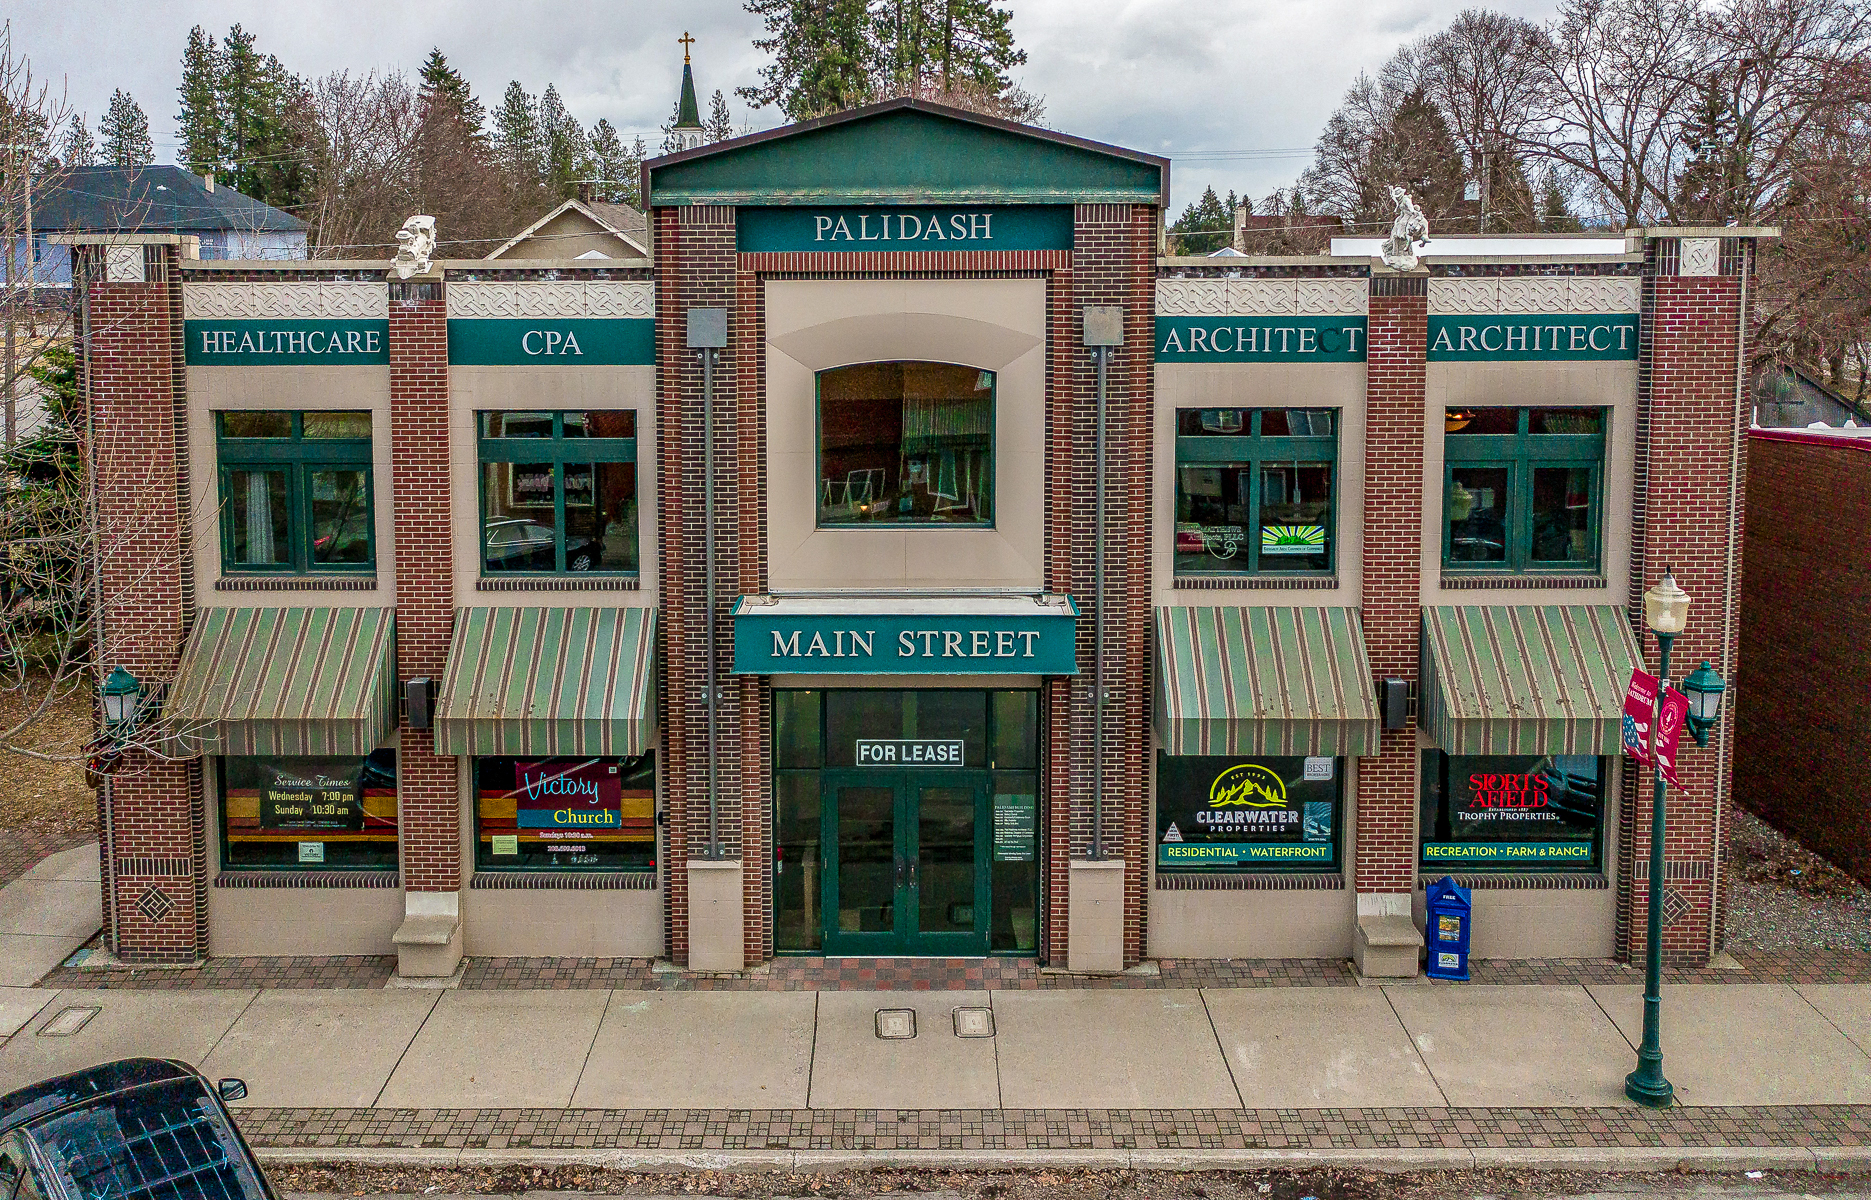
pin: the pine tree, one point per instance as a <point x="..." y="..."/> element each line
<point x="672" y="143"/>
<point x="937" y="47"/>
<point x="1555" y="213"/>
<point x="516" y="136"/>
<point x="200" y="122"/>
<point x="442" y="85"/>
<point x="76" y="149"/>
<point x="720" y="123"/>
<point x="825" y="56"/>
<point x="607" y="160"/>
<point x="1203" y="226"/>
<point x="126" y="132"/>
<point x="564" y="154"/>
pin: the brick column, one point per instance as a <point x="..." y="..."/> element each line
<point x="1113" y="263"/>
<point x="1693" y="415"/>
<point x="428" y="789"/>
<point x="1384" y="872"/>
<point x="153" y="827"/>
<point x="696" y="261"/>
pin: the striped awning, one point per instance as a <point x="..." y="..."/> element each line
<point x="1272" y="681"/>
<point x="286" y="681"/>
<point x="549" y="681"/>
<point x="1533" y="680"/>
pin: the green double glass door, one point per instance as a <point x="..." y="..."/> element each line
<point x="906" y="862"/>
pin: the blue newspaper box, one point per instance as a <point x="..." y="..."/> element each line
<point x="1446" y="929"/>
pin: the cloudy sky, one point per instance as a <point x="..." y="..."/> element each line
<point x="1234" y="90"/>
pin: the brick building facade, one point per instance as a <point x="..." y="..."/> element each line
<point x="1326" y="482"/>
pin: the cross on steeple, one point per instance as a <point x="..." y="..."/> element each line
<point x="686" y="41"/>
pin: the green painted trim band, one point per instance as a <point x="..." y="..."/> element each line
<point x="249" y="343"/>
<point x="879" y="228"/>
<point x="1514" y="852"/>
<point x="745" y="198"/>
<point x="1197" y="854"/>
<point x="1260" y="339"/>
<point x="898" y="644"/>
<point x="1533" y="338"/>
<point x="553" y="342"/>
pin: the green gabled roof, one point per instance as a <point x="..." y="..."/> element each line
<point x="906" y="152"/>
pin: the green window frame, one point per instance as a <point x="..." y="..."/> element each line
<point x="1520" y="455"/>
<point x="297" y="457"/>
<point x="361" y="834"/>
<point x="1201" y="550"/>
<point x="550" y="447"/>
<point x="1513" y="814"/>
<point x="1249" y="814"/>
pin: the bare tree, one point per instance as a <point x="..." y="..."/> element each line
<point x="1483" y="72"/>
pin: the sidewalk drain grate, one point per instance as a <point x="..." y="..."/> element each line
<point x="896" y="1023"/>
<point x="974" y="1022"/>
<point x="68" y="1021"/>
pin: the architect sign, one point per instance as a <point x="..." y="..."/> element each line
<point x="893" y="227"/>
<point x="1042" y="643"/>
<point x="1259" y="339"/>
<point x="1518" y="338"/>
<point x="286" y="343"/>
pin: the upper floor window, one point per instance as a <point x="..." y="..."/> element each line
<point x="1522" y="488"/>
<point x="559" y="491"/>
<point x="295" y="491"/>
<point x="1255" y="489"/>
<point x="906" y="443"/>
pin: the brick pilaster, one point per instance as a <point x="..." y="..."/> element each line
<point x="696" y="264"/>
<point x="154" y="861"/>
<point x="1393" y="562"/>
<point x="428" y="789"/>
<point x="1691" y="472"/>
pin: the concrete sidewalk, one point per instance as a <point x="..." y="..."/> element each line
<point x="1400" y="1047"/>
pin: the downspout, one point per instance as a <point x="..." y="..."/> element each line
<point x="708" y="335"/>
<point x="108" y="834"/>
<point x="1730" y="641"/>
<point x="1103" y="329"/>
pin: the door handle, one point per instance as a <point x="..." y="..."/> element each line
<point x="912" y="874"/>
<point x="899" y="872"/>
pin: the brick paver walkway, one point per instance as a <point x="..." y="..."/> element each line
<point x="1014" y="1129"/>
<point x="926" y="974"/>
<point x="23" y="849"/>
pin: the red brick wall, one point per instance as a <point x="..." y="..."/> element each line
<point x="1690" y="432"/>
<point x="1801" y="712"/>
<point x="1393" y="563"/>
<point x="428" y="789"/>
<point x="155" y="851"/>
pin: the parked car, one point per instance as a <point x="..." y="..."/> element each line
<point x="136" y="1129"/>
<point x="514" y="544"/>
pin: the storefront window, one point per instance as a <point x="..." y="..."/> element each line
<point x="865" y="780"/>
<point x="320" y="814"/>
<point x="1521" y="490"/>
<point x="1254" y="489"/>
<point x="906" y="443"/>
<point x="295" y="491"/>
<point x="559" y="491"/>
<point x="1248" y="814"/>
<point x="1512" y="812"/>
<point x="565" y="814"/>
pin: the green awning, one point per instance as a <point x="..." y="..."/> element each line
<point x="299" y="681"/>
<point x="549" y="681"/>
<point x="1271" y="681"/>
<point x="1533" y="680"/>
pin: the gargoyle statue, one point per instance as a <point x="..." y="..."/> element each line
<point x="416" y="246"/>
<point x="1407" y="232"/>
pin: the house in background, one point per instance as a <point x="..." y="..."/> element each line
<point x="155" y="199"/>
<point x="582" y="229"/>
<point x="1786" y="397"/>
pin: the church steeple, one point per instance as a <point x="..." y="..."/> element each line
<point x="688" y="128"/>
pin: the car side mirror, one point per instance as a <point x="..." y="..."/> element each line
<point x="231" y="1090"/>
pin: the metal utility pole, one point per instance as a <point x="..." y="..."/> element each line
<point x="1103" y="331"/>
<point x="708" y="336"/>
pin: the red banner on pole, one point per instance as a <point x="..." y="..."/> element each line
<point x="1640" y="703"/>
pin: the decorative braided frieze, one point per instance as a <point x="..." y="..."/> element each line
<point x="1535" y="294"/>
<point x="1259" y="297"/>
<point x="297" y="300"/>
<point x="551" y="298"/>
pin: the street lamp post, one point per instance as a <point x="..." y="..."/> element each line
<point x="1666" y="612"/>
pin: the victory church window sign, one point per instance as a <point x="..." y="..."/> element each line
<point x="326" y="814"/>
<point x="559" y="492"/>
<point x="1522" y="489"/>
<point x="1255" y="490"/>
<point x="1512" y="812"/>
<point x="1248" y="814"/>
<point x="295" y="492"/>
<point x="565" y="814"/>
